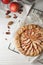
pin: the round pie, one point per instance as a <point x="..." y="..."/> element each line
<point x="29" y="40"/>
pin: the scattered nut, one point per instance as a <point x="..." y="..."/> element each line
<point x="15" y="16"/>
<point x="7" y="33"/>
<point x="20" y="11"/>
<point x="10" y="23"/>
<point x="8" y="30"/>
<point x="8" y="12"/>
<point x="8" y="27"/>
<point x="21" y="6"/>
<point x="8" y="16"/>
<point x="5" y="38"/>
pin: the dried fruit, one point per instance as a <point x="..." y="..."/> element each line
<point x="8" y="12"/>
<point x="20" y="11"/>
<point x="8" y="27"/>
<point x="15" y="16"/>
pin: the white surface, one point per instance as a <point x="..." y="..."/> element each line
<point x="6" y="56"/>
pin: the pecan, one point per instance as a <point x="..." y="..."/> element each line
<point x="10" y="22"/>
<point x="8" y="16"/>
<point x="7" y="33"/>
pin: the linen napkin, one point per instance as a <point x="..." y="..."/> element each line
<point x="40" y="58"/>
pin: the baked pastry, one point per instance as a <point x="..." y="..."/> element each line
<point x="29" y="40"/>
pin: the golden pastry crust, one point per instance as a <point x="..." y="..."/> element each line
<point x="29" y="40"/>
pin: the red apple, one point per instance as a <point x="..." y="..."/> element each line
<point x="5" y="1"/>
<point x="14" y="6"/>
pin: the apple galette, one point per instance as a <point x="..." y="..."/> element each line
<point x="29" y="40"/>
